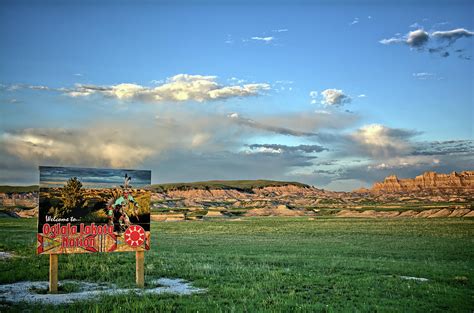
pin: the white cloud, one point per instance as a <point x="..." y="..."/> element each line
<point x="390" y="41"/>
<point x="362" y="96"/>
<point x="417" y="38"/>
<point x="265" y="150"/>
<point x="181" y="87"/>
<point x="404" y="162"/>
<point x="280" y="30"/>
<point x="334" y="97"/>
<point x="424" y="76"/>
<point x="265" y="39"/>
<point x="452" y="35"/>
<point x="381" y="141"/>
<point x="313" y="95"/>
<point x="355" y="21"/>
<point x="420" y="39"/>
<point x="233" y="115"/>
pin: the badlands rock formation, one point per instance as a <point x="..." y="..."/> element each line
<point x="428" y="181"/>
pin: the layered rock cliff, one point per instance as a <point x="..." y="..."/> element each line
<point x="428" y="181"/>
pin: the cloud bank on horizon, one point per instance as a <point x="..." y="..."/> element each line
<point x="191" y="107"/>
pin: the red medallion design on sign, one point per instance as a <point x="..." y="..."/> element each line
<point x="135" y="236"/>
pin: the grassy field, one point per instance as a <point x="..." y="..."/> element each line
<point x="274" y="264"/>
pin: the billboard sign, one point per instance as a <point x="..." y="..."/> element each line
<point x="87" y="210"/>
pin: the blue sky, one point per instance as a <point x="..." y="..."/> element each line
<point x="314" y="85"/>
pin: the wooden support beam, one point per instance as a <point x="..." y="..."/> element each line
<point x="53" y="273"/>
<point x="140" y="269"/>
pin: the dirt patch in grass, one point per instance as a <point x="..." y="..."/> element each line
<point x="5" y="255"/>
<point x="420" y="279"/>
<point x="71" y="290"/>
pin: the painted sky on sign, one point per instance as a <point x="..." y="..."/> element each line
<point x="93" y="177"/>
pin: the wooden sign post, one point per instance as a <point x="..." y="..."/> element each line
<point x="140" y="268"/>
<point x="53" y="273"/>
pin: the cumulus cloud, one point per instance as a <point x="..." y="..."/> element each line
<point x="417" y="38"/>
<point x="334" y="97"/>
<point x="380" y="141"/>
<point x="181" y="87"/>
<point x="420" y="40"/>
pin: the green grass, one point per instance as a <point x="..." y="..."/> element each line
<point x="239" y="185"/>
<point x="7" y="189"/>
<point x="274" y="265"/>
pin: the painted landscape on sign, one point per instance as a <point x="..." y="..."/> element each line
<point x="93" y="210"/>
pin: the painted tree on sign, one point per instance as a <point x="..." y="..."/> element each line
<point x="72" y="195"/>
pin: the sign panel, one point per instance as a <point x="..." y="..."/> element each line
<point x="87" y="210"/>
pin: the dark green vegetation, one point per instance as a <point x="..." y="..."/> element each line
<point x="71" y="195"/>
<point x="274" y="264"/>
<point x="18" y="189"/>
<point x="239" y="185"/>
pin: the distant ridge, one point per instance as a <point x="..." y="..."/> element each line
<point x="238" y="185"/>
<point x="7" y="188"/>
